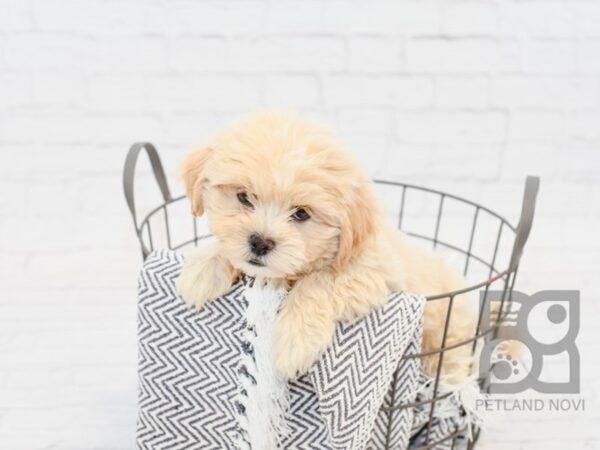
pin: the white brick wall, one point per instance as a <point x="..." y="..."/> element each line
<point x="468" y="96"/>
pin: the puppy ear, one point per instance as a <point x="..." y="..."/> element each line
<point x="194" y="177"/>
<point x="357" y="225"/>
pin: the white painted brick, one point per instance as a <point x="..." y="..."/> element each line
<point x="12" y="269"/>
<point x="547" y="19"/>
<point x="370" y="150"/>
<point x="117" y="93"/>
<point x="550" y="56"/>
<point x="49" y="51"/>
<point x="524" y="157"/>
<point x="450" y="128"/>
<point x="455" y="56"/>
<point x="191" y="129"/>
<point x="277" y="53"/>
<point x="409" y="18"/>
<point x="420" y="163"/>
<point x="530" y="91"/>
<point x="96" y="187"/>
<point x="30" y="127"/>
<point x="469" y="18"/>
<point x="299" y="17"/>
<point x="584" y="125"/>
<point x="16" y="89"/>
<point x="292" y="91"/>
<point x="326" y="117"/>
<point x="207" y="54"/>
<point x="589" y="56"/>
<point x="37" y="234"/>
<point x="60" y="162"/>
<point x="97" y="17"/>
<point x="562" y="199"/>
<point x="60" y="89"/>
<point x="510" y="55"/>
<point x="45" y="270"/>
<point x="120" y="129"/>
<point x="376" y="121"/>
<point x="216" y="18"/>
<point x="72" y="128"/>
<point x="588" y="16"/>
<point x="298" y="54"/>
<point x="411" y="92"/>
<point x="462" y="92"/>
<point x="580" y="161"/>
<point x="48" y="199"/>
<point x="385" y="17"/>
<point x="375" y="55"/>
<point x="594" y="192"/>
<point x="584" y="92"/>
<point x="285" y="54"/>
<point x="189" y="93"/>
<point x="16" y="16"/>
<point x="128" y="54"/>
<point x="13" y="199"/>
<point x="406" y="92"/>
<point x="545" y="126"/>
<point x="50" y="15"/>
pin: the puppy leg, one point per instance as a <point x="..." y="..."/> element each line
<point x="305" y="324"/>
<point x="205" y="275"/>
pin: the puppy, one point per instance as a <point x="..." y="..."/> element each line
<point x="286" y="203"/>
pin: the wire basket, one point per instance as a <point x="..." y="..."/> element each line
<point x="489" y="251"/>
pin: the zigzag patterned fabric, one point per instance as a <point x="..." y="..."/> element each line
<point x="187" y="362"/>
<point x="348" y="400"/>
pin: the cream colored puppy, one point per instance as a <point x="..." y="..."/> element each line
<point x="287" y="203"/>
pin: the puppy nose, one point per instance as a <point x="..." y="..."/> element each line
<point x="260" y="246"/>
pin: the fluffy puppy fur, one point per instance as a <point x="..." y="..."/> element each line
<point x="286" y="203"/>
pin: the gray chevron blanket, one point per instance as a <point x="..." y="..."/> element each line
<point x="189" y="365"/>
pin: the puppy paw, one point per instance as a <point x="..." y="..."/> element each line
<point x="204" y="276"/>
<point x="303" y="331"/>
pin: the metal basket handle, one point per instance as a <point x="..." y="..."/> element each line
<point x="532" y="184"/>
<point x="129" y="178"/>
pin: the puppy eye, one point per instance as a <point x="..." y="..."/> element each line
<point x="300" y="215"/>
<point x="244" y="200"/>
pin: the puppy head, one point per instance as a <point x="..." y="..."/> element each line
<point x="281" y="196"/>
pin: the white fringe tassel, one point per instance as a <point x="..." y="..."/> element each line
<point x="464" y="394"/>
<point x="265" y="402"/>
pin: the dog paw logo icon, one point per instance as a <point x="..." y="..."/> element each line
<point x="556" y="313"/>
<point x="505" y="366"/>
